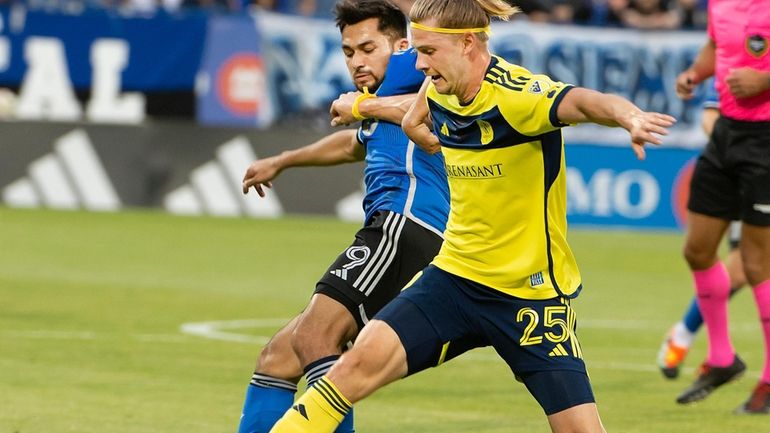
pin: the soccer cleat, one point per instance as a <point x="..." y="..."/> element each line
<point x="670" y="357"/>
<point x="711" y="378"/>
<point x="758" y="402"/>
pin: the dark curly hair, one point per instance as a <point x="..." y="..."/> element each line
<point x="392" y="22"/>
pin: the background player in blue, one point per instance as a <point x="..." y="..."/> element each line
<point x="406" y="206"/>
<point x="680" y="337"/>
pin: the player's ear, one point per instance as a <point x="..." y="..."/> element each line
<point x="401" y="44"/>
<point x="469" y="41"/>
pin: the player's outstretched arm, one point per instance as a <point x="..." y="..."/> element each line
<point x="416" y="121"/>
<point x="701" y="69"/>
<point x="584" y="105"/>
<point x="388" y="108"/>
<point x="338" y="148"/>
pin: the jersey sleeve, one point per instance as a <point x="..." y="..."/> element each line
<point x="531" y="109"/>
<point x="401" y="76"/>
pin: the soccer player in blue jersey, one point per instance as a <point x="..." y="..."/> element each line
<point x="505" y="274"/>
<point x="680" y="337"/>
<point x="406" y="206"/>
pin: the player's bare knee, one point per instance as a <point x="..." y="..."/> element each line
<point x="756" y="271"/>
<point x="348" y="364"/>
<point x="268" y="358"/>
<point x="697" y="257"/>
<point x="279" y="360"/>
<point x="358" y="372"/>
<point x="311" y="343"/>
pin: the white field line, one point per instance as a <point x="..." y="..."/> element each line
<point x="217" y="330"/>
<point x="227" y="331"/>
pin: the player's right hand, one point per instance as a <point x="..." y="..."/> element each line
<point x="648" y="127"/>
<point x="259" y="174"/>
<point x="685" y="84"/>
<point x="341" y="111"/>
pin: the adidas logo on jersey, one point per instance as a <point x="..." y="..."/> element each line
<point x="342" y="273"/>
<point x="558" y="351"/>
<point x="357" y="256"/>
<point x="301" y="409"/>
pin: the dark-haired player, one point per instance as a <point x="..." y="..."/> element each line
<point x="406" y="206"/>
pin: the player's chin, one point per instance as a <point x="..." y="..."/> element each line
<point x="442" y="87"/>
<point x="365" y="82"/>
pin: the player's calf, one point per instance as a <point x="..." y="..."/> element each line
<point x="273" y="385"/>
<point x="322" y="331"/>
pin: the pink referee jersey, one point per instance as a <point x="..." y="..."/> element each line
<point x="741" y="31"/>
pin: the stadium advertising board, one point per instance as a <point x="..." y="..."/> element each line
<point x="111" y="56"/>
<point x="179" y="167"/>
<point x="232" y="87"/>
<point x="191" y="170"/>
<point x="608" y="186"/>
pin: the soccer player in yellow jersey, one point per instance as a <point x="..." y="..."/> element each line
<point x="505" y="274"/>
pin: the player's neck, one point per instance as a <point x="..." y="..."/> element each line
<point x="476" y="76"/>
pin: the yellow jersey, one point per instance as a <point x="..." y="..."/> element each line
<point x="504" y="159"/>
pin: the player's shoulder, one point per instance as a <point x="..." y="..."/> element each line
<point x="498" y="63"/>
<point x="401" y="76"/>
<point x="507" y="77"/>
<point x="404" y="59"/>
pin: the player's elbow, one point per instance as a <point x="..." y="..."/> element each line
<point x="410" y="126"/>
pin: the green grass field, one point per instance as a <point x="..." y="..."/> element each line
<point x="91" y="307"/>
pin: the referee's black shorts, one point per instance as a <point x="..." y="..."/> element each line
<point x="382" y="259"/>
<point x="732" y="177"/>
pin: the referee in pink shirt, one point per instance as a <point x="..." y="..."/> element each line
<point x="731" y="182"/>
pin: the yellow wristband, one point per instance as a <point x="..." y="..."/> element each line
<point x="361" y="97"/>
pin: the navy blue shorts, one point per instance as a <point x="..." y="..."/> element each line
<point x="441" y="316"/>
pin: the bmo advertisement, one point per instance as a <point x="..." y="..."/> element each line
<point x="608" y="186"/>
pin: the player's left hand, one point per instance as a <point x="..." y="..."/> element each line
<point x="747" y="82"/>
<point x="647" y="127"/>
<point x="341" y="111"/>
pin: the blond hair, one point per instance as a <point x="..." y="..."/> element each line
<point x="461" y="14"/>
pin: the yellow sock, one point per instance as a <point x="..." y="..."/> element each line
<point x="320" y="410"/>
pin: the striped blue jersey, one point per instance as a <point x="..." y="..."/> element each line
<point x="399" y="175"/>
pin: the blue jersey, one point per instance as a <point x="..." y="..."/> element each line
<point x="400" y="176"/>
<point x="711" y="98"/>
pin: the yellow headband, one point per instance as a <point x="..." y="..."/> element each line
<point x="419" y="26"/>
